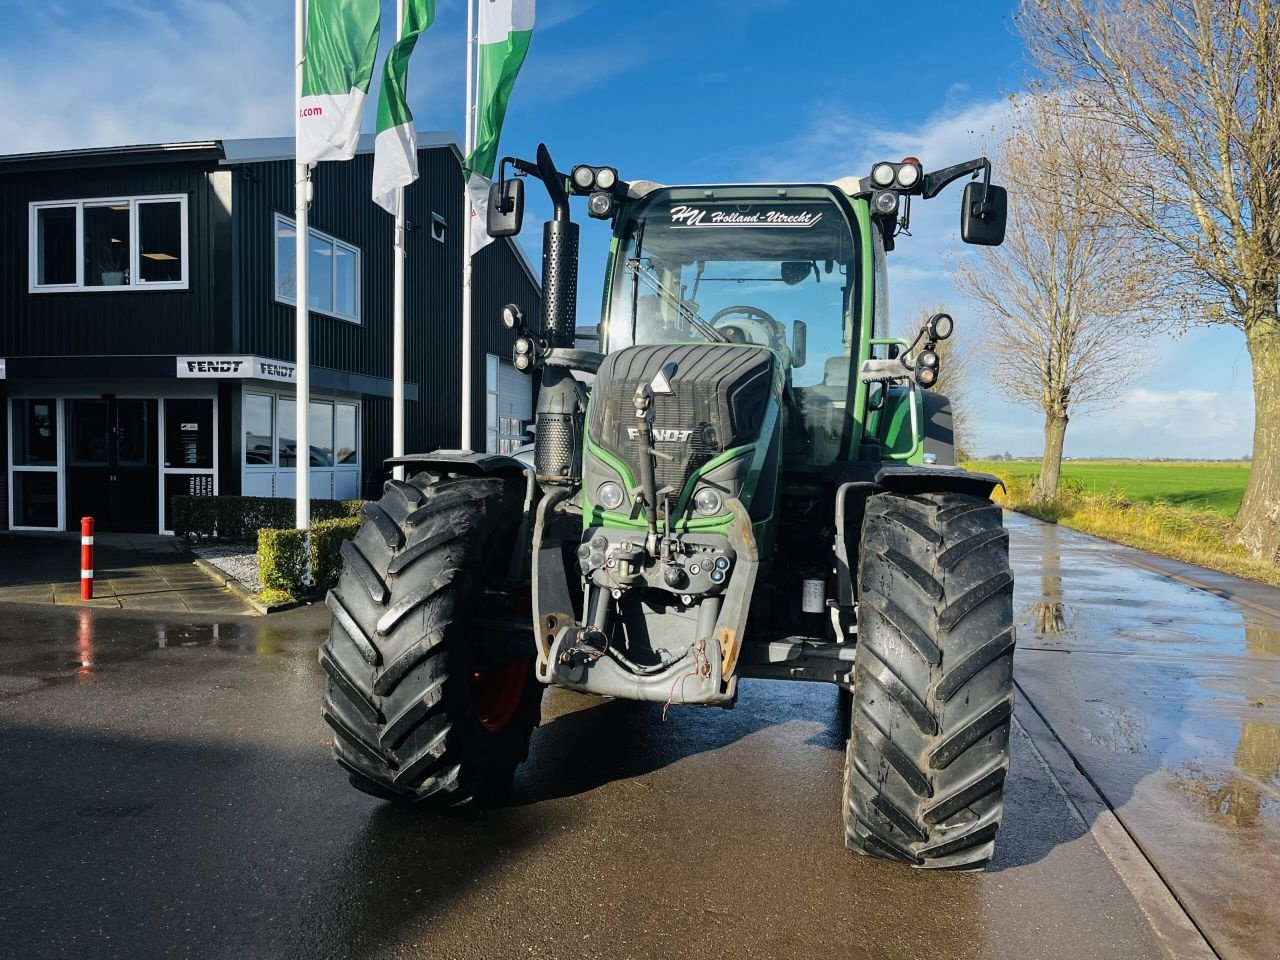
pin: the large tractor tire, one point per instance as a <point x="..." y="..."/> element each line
<point x="928" y="749"/>
<point x="425" y="702"/>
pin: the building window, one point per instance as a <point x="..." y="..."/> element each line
<point x="34" y="463"/>
<point x="508" y="406"/>
<point x="333" y="284"/>
<point x="120" y="243"/>
<point x="271" y="446"/>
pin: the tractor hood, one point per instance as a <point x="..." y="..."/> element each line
<point x="712" y="410"/>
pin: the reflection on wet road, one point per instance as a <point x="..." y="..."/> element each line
<point x="168" y="791"/>
<point x="1170" y="699"/>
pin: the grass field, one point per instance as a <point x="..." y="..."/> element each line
<point x="1181" y="510"/>
<point x="1218" y="487"/>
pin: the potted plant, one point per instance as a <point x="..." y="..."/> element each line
<point x="111" y="263"/>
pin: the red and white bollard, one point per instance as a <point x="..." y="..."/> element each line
<point x="86" y="558"/>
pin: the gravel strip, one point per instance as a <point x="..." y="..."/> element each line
<point x="237" y="561"/>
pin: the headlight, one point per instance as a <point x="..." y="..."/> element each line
<point x="928" y="358"/>
<point x="609" y="495"/>
<point x="882" y="174"/>
<point x="583" y="176"/>
<point x="606" y="177"/>
<point x="908" y="175"/>
<point x="707" y="502"/>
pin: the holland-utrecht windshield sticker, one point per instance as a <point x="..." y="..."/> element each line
<point x="687" y="216"/>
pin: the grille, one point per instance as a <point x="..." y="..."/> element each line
<point x="718" y="395"/>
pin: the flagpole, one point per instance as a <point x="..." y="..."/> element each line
<point x="469" y="138"/>
<point x="397" y="310"/>
<point x="302" y="359"/>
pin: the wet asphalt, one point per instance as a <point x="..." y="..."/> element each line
<point x="167" y="791"/>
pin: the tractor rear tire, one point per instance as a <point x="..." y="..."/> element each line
<point x="928" y="750"/>
<point x="423" y="706"/>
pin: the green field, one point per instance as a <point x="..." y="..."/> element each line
<point x="1214" y="486"/>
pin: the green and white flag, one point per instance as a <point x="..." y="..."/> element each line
<point x="342" y="44"/>
<point x="505" y="29"/>
<point x="395" y="150"/>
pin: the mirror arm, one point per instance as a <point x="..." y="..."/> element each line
<point x="545" y="170"/>
<point x="937" y="180"/>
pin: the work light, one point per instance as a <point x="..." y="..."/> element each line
<point x="909" y="173"/>
<point x="583" y="177"/>
<point x="512" y="317"/>
<point x="882" y="174"/>
<point x="940" y="326"/>
<point x="601" y="205"/>
<point x="606" y="177"/>
<point x="884" y="203"/>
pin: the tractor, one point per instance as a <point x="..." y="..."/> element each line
<point x="737" y="474"/>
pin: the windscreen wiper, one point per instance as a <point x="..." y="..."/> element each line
<point x="687" y="314"/>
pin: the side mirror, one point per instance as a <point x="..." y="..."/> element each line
<point x="799" y="343"/>
<point x="984" y="227"/>
<point x="504" y="213"/>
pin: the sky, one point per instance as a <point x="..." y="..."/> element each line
<point x="677" y="91"/>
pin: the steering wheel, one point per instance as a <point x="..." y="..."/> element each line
<point x="753" y="320"/>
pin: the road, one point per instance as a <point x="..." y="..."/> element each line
<point x="167" y="791"/>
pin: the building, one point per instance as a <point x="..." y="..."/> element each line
<point x="147" y="328"/>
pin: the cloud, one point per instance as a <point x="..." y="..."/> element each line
<point x="141" y="72"/>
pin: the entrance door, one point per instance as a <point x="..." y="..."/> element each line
<point x="112" y="464"/>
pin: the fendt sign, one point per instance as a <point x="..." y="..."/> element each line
<point x="235" y="368"/>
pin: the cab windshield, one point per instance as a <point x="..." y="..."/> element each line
<point x="769" y="266"/>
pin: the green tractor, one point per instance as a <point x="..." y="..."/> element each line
<point x="746" y="480"/>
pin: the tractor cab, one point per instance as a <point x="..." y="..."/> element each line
<point x="766" y="267"/>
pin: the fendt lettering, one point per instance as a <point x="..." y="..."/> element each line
<point x="214" y="366"/>
<point x="663" y="436"/>
<point x="805" y="535"/>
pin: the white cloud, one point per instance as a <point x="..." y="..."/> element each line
<point x="144" y="72"/>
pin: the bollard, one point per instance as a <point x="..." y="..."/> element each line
<point x="86" y="558"/>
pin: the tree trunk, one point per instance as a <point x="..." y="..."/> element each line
<point x="1055" y="431"/>
<point x="1257" y="525"/>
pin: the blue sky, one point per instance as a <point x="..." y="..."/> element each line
<point x="692" y="91"/>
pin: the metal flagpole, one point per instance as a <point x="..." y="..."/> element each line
<point x="302" y="378"/>
<point x="469" y="138"/>
<point x="397" y="310"/>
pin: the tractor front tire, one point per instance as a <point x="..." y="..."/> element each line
<point x="424" y="706"/>
<point x="928" y="750"/>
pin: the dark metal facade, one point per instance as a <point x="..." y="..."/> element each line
<point x="229" y="306"/>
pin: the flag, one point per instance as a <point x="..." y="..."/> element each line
<point x="342" y="44"/>
<point x="505" y="29"/>
<point x="395" y="150"/>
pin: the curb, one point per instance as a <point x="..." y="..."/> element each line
<point x="239" y="589"/>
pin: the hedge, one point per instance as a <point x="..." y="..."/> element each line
<point x="281" y="560"/>
<point x="280" y="555"/>
<point x="326" y="548"/>
<point x="227" y="519"/>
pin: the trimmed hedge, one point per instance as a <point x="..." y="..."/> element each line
<point x="326" y="548"/>
<point x="281" y="560"/>
<point x="227" y="519"/>
<point x="280" y="555"/>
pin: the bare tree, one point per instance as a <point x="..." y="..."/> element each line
<point x="1066" y="297"/>
<point x="954" y="373"/>
<point x="1194" y="86"/>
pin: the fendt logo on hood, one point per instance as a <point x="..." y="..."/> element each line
<point x="662" y="436"/>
